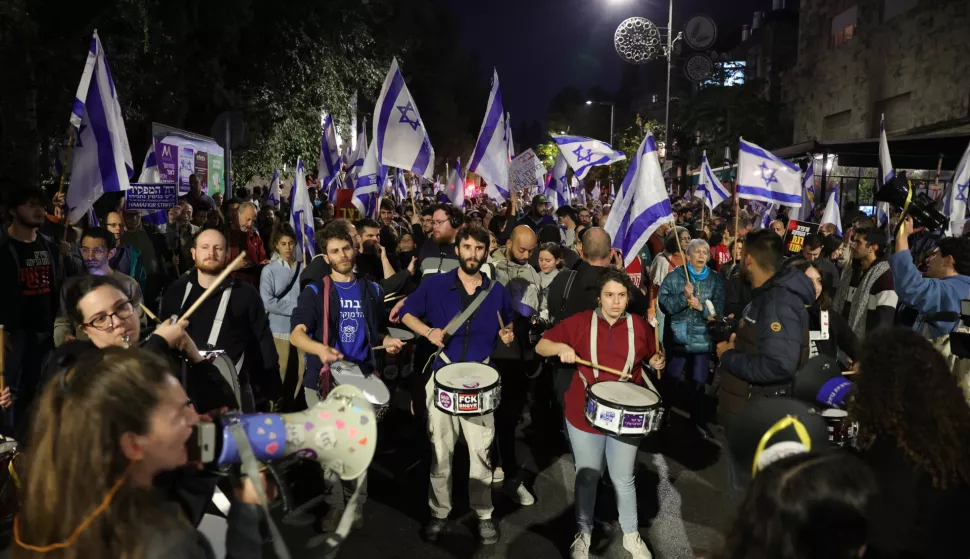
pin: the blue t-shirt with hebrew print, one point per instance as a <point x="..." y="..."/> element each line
<point x="352" y="333"/>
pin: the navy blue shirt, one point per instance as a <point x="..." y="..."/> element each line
<point x="439" y="299"/>
<point x="352" y="338"/>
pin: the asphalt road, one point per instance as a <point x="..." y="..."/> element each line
<point x="683" y="508"/>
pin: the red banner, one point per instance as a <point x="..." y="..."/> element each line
<point x="344" y="205"/>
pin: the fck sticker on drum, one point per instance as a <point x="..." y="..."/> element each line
<point x="468" y="402"/>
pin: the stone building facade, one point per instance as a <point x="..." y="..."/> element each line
<point x="857" y="59"/>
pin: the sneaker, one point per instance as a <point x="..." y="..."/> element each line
<point x="636" y="547"/>
<point x="523" y="496"/>
<point x="434" y="529"/>
<point x="580" y="547"/>
<point x="487" y="531"/>
<point x="331" y="520"/>
<point x="498" y="475"/>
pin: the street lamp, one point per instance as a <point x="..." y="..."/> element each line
<point x="612" y="112"/>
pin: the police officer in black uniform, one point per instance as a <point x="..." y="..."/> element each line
<point x="771" y="342"/>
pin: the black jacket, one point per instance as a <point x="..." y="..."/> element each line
<point x="778" y="327"/>
<point x="841" y="337"/>
<point x="63" y="268"/>
<point x="584" y="293"/>
<point x="245" y="330"/>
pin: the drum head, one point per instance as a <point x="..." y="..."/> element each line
<point x="625" y="394"/>
<point x="466" y="376"/>
<point x="349" y="374"/>
<point x="834" y="414"/>
<point x="401" y="334"/>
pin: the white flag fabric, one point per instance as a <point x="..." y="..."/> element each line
<point x="455" y="189"/>
<point x="557" y="190"/>
<point x="273" y="192"/>
<point x="328" y="169"/>
<point x="595" y="194"/>
<point x="356" y="160"/>
<point x="508" y="133"/>
<point x="101" y="161"/>
<point x="808" y="192"/>
<point x="579" y="190"/>
<point x="369" y="183"/>
<point x="710" y="189"/>
<point x="301" y="215"/>
<point x="584" y="153"/>
<point x="149" y="169"/>
<point x="642" y="204"/>
<point x="832" y="214"/>
<point x="955" y="203"/>
<point x="886" y="171"/>
<point x="490" y="160"/>
<point x="768" y="178"/>
<point x="400" y="186"/>
<point x="352" y="143"/>
<point x="401" y="137"/>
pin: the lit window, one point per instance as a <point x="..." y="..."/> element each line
<point x="844" y="26"/>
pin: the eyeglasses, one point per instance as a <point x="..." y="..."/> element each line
<point x="97" y="251"/>
<point x="105" y="322"/>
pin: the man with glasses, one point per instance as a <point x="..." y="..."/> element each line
<point x="585" y="218"/>
<point x="97" y="249"/>
<point x="32" y="271"/>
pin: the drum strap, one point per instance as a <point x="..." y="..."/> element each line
<point x="462" y="318"/>
<point x="593" y="334"/>
<point x="220" y="314"/>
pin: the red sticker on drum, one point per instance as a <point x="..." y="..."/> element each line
<point x="468" y="402"/>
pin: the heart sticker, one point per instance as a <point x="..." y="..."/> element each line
<point x="272" y="436"/>
<point x="260" y="431"/>
<point x="340" y="424"/>
<point x="356" y="409"/>
<point x="363" y="441"/>
<point x="268" y="421"/>
<point x="352" y="433"/>
<point x="271" y="448"/>
<point x="308" y="426"/>
<point x="324" y="415"/>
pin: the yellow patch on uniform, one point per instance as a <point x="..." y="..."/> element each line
<point x="776" y="327"/>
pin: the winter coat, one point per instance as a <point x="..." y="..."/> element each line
<point x="685" y="329"/>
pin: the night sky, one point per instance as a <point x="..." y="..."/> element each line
<point x="542" y="46"/>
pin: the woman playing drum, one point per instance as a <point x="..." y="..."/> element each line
<point x="571" y="339"/>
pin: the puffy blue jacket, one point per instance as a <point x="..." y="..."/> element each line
<point x="685" y="329"/>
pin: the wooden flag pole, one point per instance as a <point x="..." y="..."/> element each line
<point x="680" y="249"/>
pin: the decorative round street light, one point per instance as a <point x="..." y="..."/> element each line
<point x="637" y="40"/>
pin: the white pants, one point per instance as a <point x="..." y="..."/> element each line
<point x="479" y="432"/>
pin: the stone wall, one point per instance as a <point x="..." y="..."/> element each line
<point x="914" y="67"/>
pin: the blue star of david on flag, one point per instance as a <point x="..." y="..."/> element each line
<point x="962" y="192"/>
<point x="583" y="154"/>
<point x="404" y="116"/>
<point x="768" y="174"/>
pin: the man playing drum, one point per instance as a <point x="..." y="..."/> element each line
<point x="356" y="324"/>
<point x="620" y="341"/>
<point x="443" y="301"/>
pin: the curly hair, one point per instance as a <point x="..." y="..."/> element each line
<point x="619" y="276"/>
<point x="907" y="396"/>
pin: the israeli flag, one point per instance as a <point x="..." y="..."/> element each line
<point x="557" y="189"/>
<point x="642" y="204"/>
<point x="455" y="189"/>
<point x="766" y="177"/>
<point x="273" y="192"/>
<point x="102" y="159"/>
<point x="583" y="153"/>
<point x="402" y="139"/>
<point x="710" y="190"/>
<point x="490" y="160"/>
<point x="356" y="160"/>
<point x="808" y="192"/>
<point x="149" y="168"/>
<point x="508" y="133"/>
<point x="762" y="214"/>
<point x="832" y="214"/>
<point x="955" y="203"/>
<point x="329" y="163"/>
<point x="596" y="192"/>
<point x="301" y="215"/>
<point x="400" y="186"/>
<point x="579" y="190"/>
<point x="370" y="181"/>
<point x="886" y="171"/>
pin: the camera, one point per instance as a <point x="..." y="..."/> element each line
<point x="959" y="341"/>
<point x="720" y="329"/>
<point x="921" y="207"/>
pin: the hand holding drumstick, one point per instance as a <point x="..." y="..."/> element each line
<point x="505" y="330"/>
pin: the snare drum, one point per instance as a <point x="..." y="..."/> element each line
<point x="623" y="408"/>
<point x="469" y="389"/>
<point x="400" y="333"/>
<point x="227" y="369"/>
<point x="842" y="432"/>
<point x="374" y="389"/>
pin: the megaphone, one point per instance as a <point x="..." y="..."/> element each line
<point x="340" y="433"/>
<point x="920" y="207"/>
<point x="820" y="381"/>
<point x="770" y="429"/>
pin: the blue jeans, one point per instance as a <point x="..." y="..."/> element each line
<point x="589" y="450"/>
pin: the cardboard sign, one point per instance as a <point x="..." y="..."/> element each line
<point x="345" y="206"/>
<point x="151" y="197"/>
<point x="526" y="170"/>
<point x="795" y="237"/>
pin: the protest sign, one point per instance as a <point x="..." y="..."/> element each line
<point x="526" y="170"/>
<point x="345" y="206"/>
<point x="797" y="231"/>
<point x="151" y="197"/>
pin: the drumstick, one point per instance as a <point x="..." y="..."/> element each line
<point x="847" y="373"/>
<point x="215" y="285"/>
<point x="389" y="298"/>
<point x="602" y="368"/>
<point x="501" y="325"/>
<point x="149" y="313"/>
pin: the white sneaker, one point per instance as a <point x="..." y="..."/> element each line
<point x="523" y="496"/>
<point x="580" y="547"/>
<point x="498" y="475"/>
<point x="636" y="547"/>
